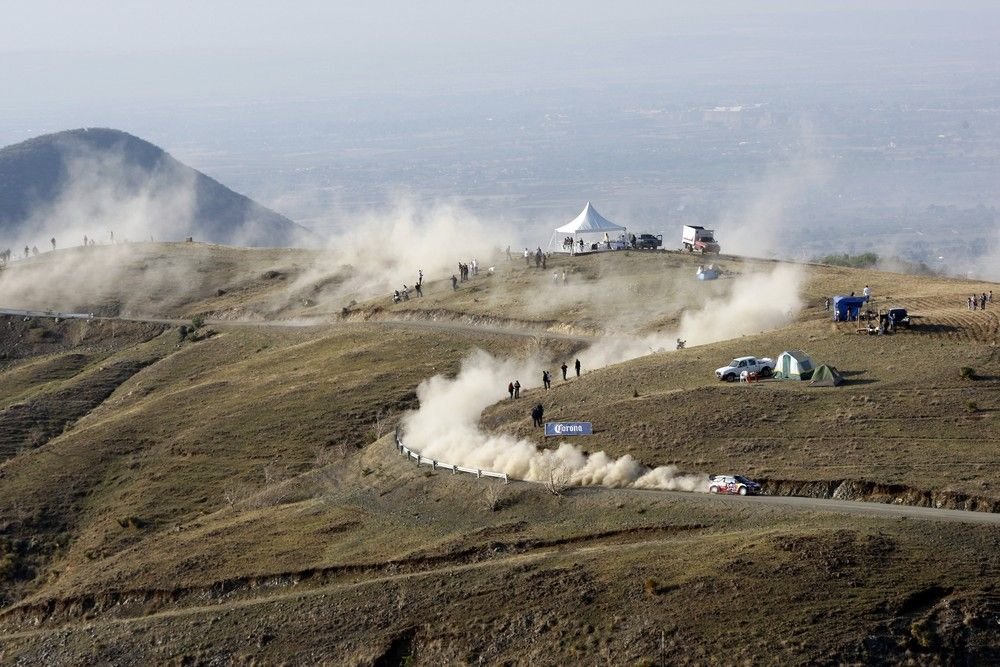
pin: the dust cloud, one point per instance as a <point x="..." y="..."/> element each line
<point x="755" y="227"/>
<point x="103" y="195"/>
<point x="446" y="425"/>
<point x="381" y="251"/>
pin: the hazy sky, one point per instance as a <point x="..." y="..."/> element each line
<point x="115" y="52"/>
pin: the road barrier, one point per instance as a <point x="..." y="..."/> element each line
<point x="46" y="313"/>
<point x="438" y="465"/>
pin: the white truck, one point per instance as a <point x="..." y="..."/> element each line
<point x="699" y="239"/>
<point x="763" y="367"/>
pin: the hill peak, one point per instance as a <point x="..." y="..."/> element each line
<point x="83" y="181"/>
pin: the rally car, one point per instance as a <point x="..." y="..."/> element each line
<point x="737" y="484"/>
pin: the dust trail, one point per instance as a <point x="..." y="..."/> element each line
<point x="383" y="250"/>
<point x="446" y="425"/>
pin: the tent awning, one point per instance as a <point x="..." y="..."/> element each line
<point x="589" y="221"/>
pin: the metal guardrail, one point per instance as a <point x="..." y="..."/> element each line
<point x="46" y="313"/>
<point x="438" y="465"/>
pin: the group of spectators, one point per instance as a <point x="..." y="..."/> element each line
<point x="979" y="302"/>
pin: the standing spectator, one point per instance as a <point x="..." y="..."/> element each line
<point x="53" y="243"/>
<point x="826" y="303"/>
<point x="454" y="282"/>
<point x="420" y="276"/>
<point x="538" y="258"/>
<point x="527" y="257"/>
<point x="541" y="414"/>
<point x="26" y="252"/>
<point x="989" y="298"/>
<point x="517" y="389"/>
<point x="543" y="261"/>
<point x="509" y="258"/>
<point x="577" y="366"/>
<point x="84" y="240"/>
<point x="510" y="390"/>
<point x="546" y="380"/>
<point x="975" y="301"/>
<point x="535" y="420"/>
<point x="982" y="302"/>
<point x="867" y="293"/>
<point x="564" y="369"/>
<point x="420" y="290"/>
<point x="968" y="303"/>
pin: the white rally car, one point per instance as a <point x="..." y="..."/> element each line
<point x="733" y="484"/>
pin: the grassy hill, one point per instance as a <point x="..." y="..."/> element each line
<point x="233" y="494"/>
<point x="90" y="180"/>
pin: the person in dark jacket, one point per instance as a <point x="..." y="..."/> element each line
<point x="564" y="369"/>
<point x="517" y="389"/>
<point x="577" y="366"/>
<point x="510" y="389"/>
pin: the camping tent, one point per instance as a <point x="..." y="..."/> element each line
<point x="847" y="308"/>
<point x="793" y="365"/>
<point x="592" y="225"/>
<point x="826" y="376"/>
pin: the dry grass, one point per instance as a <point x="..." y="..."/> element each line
<point x="232" y="489"/>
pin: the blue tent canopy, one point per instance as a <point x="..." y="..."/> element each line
<point x="847" y="307"/>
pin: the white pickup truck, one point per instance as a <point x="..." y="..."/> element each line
<point x="763" y="367"/>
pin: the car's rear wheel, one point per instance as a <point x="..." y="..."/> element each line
<point x="765" y="372"/>
<point x="743" y="491"/>
<point x="729" y="377"/>
<point x="713" y="489"/>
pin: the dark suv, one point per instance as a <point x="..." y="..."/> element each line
<point x="648" y="241"/>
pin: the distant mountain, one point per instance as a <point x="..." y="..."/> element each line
<point x="97" y="181"/>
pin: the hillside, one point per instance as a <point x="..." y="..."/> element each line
<point x="89" y="181"/>
<point x="233" y="494"/>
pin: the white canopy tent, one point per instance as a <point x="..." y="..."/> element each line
<point x="579" y="235"/>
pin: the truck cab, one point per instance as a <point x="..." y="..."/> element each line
<point x="696" y="238"/>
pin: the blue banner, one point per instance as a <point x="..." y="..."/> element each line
<point x="568" y="428"/>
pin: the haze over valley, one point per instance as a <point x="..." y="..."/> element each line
<point x="280" y="288"/>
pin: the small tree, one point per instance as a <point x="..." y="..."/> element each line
<point x="493" y="497"/>
<point x="381" y="424"/>
<point x="197" y="322"/>
<point x="557" y="481"/>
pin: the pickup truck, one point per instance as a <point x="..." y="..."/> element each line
<point x="648" y="241"/>
<point x="763" y="367"/>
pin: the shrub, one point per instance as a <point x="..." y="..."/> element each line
<point x="971" y="406"/>
<point x="862" y="261"/>
<point x="132" y="522"/>
<point x="197" y="322"/>
<point x="8" y="567"/>
<point x="967" y="373"/>
<point x="493" y="497"/>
